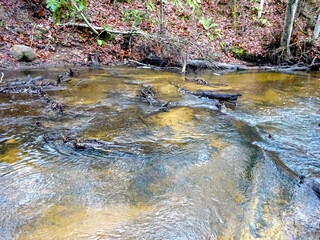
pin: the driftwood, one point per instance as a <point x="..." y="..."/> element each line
<point x="218" y="99"/>
<point x="29" y="86"/>
<point x="36" y="85"/>
<point x="226" y="97"/>
<point x="221" y="97"/>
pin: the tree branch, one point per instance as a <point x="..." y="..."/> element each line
<point x="84" y="18"/>
<point x="97" y="29"/>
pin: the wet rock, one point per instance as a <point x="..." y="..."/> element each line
<point x="23" y="53"/>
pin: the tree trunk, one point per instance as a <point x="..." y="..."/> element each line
<point x="161" y="17"/>
<point x="288" y="27"/>
<point x="316" y="31"/>
<point x="234" y="15"/>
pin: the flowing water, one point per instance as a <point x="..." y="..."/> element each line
<point x="190" y="172"/>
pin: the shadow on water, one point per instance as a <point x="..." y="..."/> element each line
<point x="187" y="172"/>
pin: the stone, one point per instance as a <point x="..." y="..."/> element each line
<point x="23" y="53"/>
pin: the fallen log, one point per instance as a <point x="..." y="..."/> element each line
<point x="221" y="97"/>
<point x="227" y="97"/>
<point x="205" y="64"/>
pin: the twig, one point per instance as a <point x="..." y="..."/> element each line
<point x="139" y="63"/>
<point x="77" y="84"/>
<point x="85" y="19"/>
<point x="91" y="119"/>
<point x="96" y="28"/>
<point x="313" y="61"/>
<point x="2" y="75"/>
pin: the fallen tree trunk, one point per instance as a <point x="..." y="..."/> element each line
<point x="227" y="97"/>
<point x="204" y="64"/>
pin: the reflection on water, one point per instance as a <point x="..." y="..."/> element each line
<point x="189" y="173"/>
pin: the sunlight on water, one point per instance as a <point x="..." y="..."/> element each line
<point x="78" y="222"/>
<point x="186" y="172"/>
<point x="179" y="119"/>
<point x="11" y="156"/>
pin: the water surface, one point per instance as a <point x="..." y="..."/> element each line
<point x="188" y="173"/>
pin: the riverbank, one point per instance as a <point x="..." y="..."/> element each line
<point x="214" y="35"/>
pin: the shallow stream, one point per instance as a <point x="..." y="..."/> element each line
<point x="190" y="172"/>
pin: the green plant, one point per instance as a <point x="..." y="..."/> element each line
<point x="133" y="16"/>
<point x="149" y="5"/>
<point x="109" y="36"/>
<point x="193" y="4"/>
<point x="254" y="10"/>
<point x="262" y="21"/>
<point x="238" y="51"/>
<point x="61" y="7"/>
<point x="207" y="23"/>
<point x="101" y="42"/>
<point x="211" y="28"/>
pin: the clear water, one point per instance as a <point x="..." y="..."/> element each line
<point x="187" y="173"/>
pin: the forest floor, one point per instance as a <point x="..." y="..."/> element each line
<point x="228" y="37"/>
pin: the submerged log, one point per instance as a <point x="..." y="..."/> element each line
<point x="93" y="144"/>
<point x="314" y="186"/>
<point x="251" y="134"/>
<point x="310" y="183"/>
<point x="221" y="97"/>
<point x="227" y="97"/>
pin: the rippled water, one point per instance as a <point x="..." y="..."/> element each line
<point x="187" y="173"/>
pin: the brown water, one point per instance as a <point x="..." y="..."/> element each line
<point x="189" y="173"/>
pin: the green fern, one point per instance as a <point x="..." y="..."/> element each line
<point x="58" y="7"/>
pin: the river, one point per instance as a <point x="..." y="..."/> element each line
<point x="190" y="172"/>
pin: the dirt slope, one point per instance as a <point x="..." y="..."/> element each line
<point x="231" y="38"/>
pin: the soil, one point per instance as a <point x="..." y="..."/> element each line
<point x="30" y="23"/>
